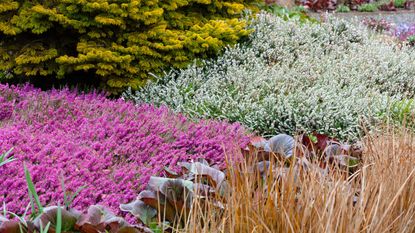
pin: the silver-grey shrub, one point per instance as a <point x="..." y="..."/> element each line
<point x="289" y="77"/>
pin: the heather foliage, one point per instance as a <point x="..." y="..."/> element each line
<point x="289" y="77"/>
<point x="110" y="146"/>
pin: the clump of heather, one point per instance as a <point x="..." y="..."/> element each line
<point x="290" y="77"/>
<point x="111" y="146"/>
<point x="404" y="31"/>
<point x="380" y="25"/>
<point x="6" y="109"/>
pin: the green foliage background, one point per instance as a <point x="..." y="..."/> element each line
<point x="118" y="41"/>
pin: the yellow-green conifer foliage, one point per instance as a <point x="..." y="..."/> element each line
<point x="120" y="41"/>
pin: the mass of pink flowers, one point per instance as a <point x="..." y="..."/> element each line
<point x="111" y="146"/>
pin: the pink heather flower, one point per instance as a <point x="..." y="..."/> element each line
<point x="110" y="146"/>
<point x="6" y="109"/>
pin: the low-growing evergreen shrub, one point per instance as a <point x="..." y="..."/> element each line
<point x="342" y="9"/>
<point x="299" y="12"/>
<point x="109" y="146"/>
<point x="399" y="3"/>
<point x="290" y="76"/>
<point x="119" y="41"/>
<point x="367" y="7"/>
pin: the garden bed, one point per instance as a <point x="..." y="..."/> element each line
<point x="109" y="146"/>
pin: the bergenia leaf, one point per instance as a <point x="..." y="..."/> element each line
<point x="203" y="190"/>
<point x="214" y="176"/>
<point x="58" y="218"/>
<point x="258" y="142"/>
<point x="178" y="192"/>
<point x="185" y="166"/>
<point x="133" y="229"/>
<point x="139" y="209"/>
<point x="159" y="202"/>
<point x="333" y="150"/>
<point x="262" y="167"/>
<point x="11" y="227"/>
<point x="320" y="145"/>
<point x="203" y="161"/>
<point x="149" y="198"/>
<point x="281" y="144"/>
<point x="99" y="219"/>
<point x="170" y="173"/>
<point x="155" y="183"/>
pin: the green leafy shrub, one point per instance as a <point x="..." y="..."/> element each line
<point x="299" y="8"/>
<point x="299" y="13"/>
<point x="399" y="3"/>
<point x="343" y="9"/>
<point x="411" y="40"/>
<point x="367" y="7"/>
<point x="119" y="42"/>
<point x="290" y="76"/>
<point x="402" y="113"/>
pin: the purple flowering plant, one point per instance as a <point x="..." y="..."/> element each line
<point x="404" y="31"/>
<point x="379" y="25"/>
<point x="111" y="147"/>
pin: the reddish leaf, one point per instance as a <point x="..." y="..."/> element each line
<point x="258" y="142"/>
<point x="139" y="209"/>
<point x="99" y="219"/>
<point x="319" y="144"/>
<point x="214" y="177"/>
<point x="387" y="7"/>
<point x="409" y="5"/>
<point x="319" y="5"/>
<point x="158" y="201"/>
<point x="281" y="144"/>
<point x="9" y="226"/>
<point x="69" y="219"/>
<point x="178" y="193"/>
<point x="170" y="173"/>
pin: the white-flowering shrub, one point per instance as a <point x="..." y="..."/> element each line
<point x="290" y="77"/>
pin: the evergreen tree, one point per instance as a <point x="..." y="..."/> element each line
<point x="119" y="41"/>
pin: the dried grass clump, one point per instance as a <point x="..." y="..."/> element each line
<point x="378" y="197"/>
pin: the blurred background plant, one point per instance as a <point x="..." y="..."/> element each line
<point x="379" y="25"/>
<point x="296" y="13"/>
<point x="342" y="9"/>
<point x="404" y="30"/>
<point x="367" y="7"/>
